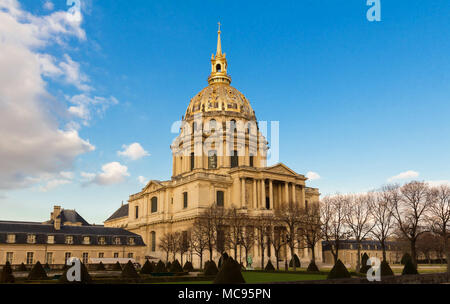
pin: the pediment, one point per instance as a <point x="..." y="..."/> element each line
<point x="152" y="186"/>
<point x="281" y="169"/>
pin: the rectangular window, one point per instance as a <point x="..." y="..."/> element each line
<point x="11" y="238"/>
<point x="101" y="240"/>
<point x="85" y="258"/>
<point x="212" y="159"/>
<point x="154" y="204"/>
<point x="30" y="258"/>
<point x="251" y="161"/>
<point x="86" y="240"/>
<point x="50" y="239"/>
<point x="130" y="255"/>
<point x="234" y="159"/>
<point x="49" y="258"/>
<point x="185" y="200"/>
<point x="131" y="241"/>
<point x="31" y="239"/>
<point x="9" y="257"/>
<point x="101" y="255"/>
<point x="67" y="256"/>
<point x="136" y="211"/>
<point x="116" y="255"/>
<point x="220" y="198"/>
<point x="192" y="161"/>
<point x="69" y="240"/>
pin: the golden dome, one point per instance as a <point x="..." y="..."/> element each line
<point x="220" y="97"/>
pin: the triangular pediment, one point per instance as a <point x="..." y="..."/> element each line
<point x="281" y="169"/>
<point x="152" y="185"/>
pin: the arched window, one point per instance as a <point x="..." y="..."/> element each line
<point x="220" y="198"/>
<point x="154" y="204"/>
<point x="212" y="159"/>
<point x="234" y="159"/>
<point x="153" y="240"/>
<point x="218" y="68"/>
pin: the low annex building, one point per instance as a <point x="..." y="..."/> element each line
<point x="65" y="235"/>
<point x="219" y="157"/>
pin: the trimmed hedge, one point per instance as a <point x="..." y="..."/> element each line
<point x="129" y="272"/>
<point x="222" y="259"/>
<point x="230" y="273"/>
<point x="269" y="266"/>
<point x="406" y="257"/>
<point x="160" y="267"/>
<point x="188" y="267"/>
<point x="211" y="268"/>
<point x="117" y="267"/>
<point x="296" y="260"/>
<point x="386" y="269"/>
<point x="176" y="267"/>
<point x="85" y="277"/>
<point x="409" y="268"/>
<point x="312" y="267"/>
<point x="147" y="268"/>
<point x="339" y="271"/>
<point x="22" y="267"/>
<point x="37" y="272"/>
<point x="6" y="275"/>
<point x="101" y="267"/>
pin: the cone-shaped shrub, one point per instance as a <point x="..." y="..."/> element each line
<point x="22" y="267"/>
<point x="211" y="268"/>
<point x="296" y="260"/>
<point x="6" y="275"/>
<point x="160" y="267"/>
<point x="222" y="259"/>
<point x="269" y="266"/>
<point x="409" y="268"/>
<point x="147" y="268"/>
<point x="364" y="266"/>
<point x="230" y="273"/>
<point x="176" y="267"/>
<point x="386" y="269"/>
<point x="312" y="267"/>
<point x="406" y="257"/>
<point x="85" y="277"/>
<point x="117" y="267"/>
<point x="129" y="272"/>
<point x="168" y="265"/>
<point x="37" y="272"/>
<point x="339" y="271"/>
<point x="47" y="267"/>
<point x="188" y="267"/>
<point x="101" y="267"/>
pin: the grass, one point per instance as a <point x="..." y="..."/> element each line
<point x="266" y="277"/>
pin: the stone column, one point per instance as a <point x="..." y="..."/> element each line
<point x="286" y="192"/>
<point x="271" y="193"/>
<point x="263" y="194"/>
<point x="293" y="194"/>
<point x="255" y="202"/>
<point x="243" y="201"/>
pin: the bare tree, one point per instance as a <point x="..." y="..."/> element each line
<point x="439" y="217"/>
<point x="248" y="238"/>
<point x="311" y="228"/>
<point x="165" y="244"/>
<point x="334" y="230"/>
<point x="210" y="221"/>
<point x="175" y="243"/>
<point x="236" y="223"/>
<point x="381" y="210"/>
<point x="358" y="219"/>
<point x="183" y="243"/>
<point x="199" y="239"/>
<point x="278" y="240"/>
<point x="290" y="215"/>
<point x="410" y="204"/>
<point x="261" y="223"/>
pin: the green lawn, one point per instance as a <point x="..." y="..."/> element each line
<point x="264" y="277"/>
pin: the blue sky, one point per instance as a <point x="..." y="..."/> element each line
<point x="358" y="102"/>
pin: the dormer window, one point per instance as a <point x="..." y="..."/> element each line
<point x="69" y="240"/>
<point x="131" y="241"/>
<point x="11" y="239"/>
<point x="51" y="239"/>
<point x="101" y="240"/>
<point x="86" y="240"/>
<point x="117" y="241"/>
<point x="31" y="239"/>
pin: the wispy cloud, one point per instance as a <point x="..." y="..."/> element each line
<point x="112" y="173"/>
<point x="312" y="175"/>
<point x="133" y="151"/>
<point x="404" y="175"/>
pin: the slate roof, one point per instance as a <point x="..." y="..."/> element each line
<point x="365" y="245"/>
<point x="121" y="212"/>
<point x="70" y="216"/>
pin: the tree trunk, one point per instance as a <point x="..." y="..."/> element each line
<point x="313" y="254"/>
<point x="262" y="257"/>
<point x="414" y="252"/>
<point x="447" y="253"/>
<point x="276" y="256"/>
<point x="383" y="248"/>
<point x="210" y="253"/>
<point x="292" y="258"/>
<point x="358" y="259"/>
<point x="235" y="253"/>
<point x="181" y="254"/>
<point x="201" y="260"/>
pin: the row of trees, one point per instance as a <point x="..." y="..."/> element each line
<point x="403" y="212"/>
<point x="218" y="230"/>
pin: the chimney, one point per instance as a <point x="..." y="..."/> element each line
<point x="57" y="224"/>
<point x="56" y="212"/>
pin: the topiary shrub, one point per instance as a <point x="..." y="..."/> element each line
<point x="47" y="267"/>
<point x="386" y="269"/>
<point x="409" y="268"/>
<point x="129" y="272"/>
<point x="222" y="259"/>
<point x="406" y="257"/>
<point x="6" y="275"/>
<point x="168" y="265"/>
<point x="101" y="267"/>
<point x="37" y="272"/>
<point x="296" y="260"/>
<point x="230" y="273"/>
<point x="211" y="268"/>
<point x="160" y="267"/>
<point x="176" y="267"/>
<point x="22" y="267"/>
<point x="188" y="267"/>
<point x="364" y="266"/>
<point x="312" y="267"/>
<point x="269" y="266"/>
<point x="117" y="267"/>
<point x="339" y="271"/>
<point x="147" y="268"/>
<point x="85" y="277"/>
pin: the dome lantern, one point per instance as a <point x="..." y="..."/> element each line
<point x="219" y="65"/>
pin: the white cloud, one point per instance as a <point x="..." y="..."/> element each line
<point x="48" y="5"/>
<point x="52" y="181"/>
<point x="142" y="180"/>
<point x="83" y="106"/>
<point x="32" y="144"/>
<point x="133" y="151"/>
<point x="53" y="184"/>
<point x="112" y="173"/>
<point x="312" y="175"/>
<point x="438" y="183"/>
<point x="73" y="75"/>
<point x="404" y="175"/>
